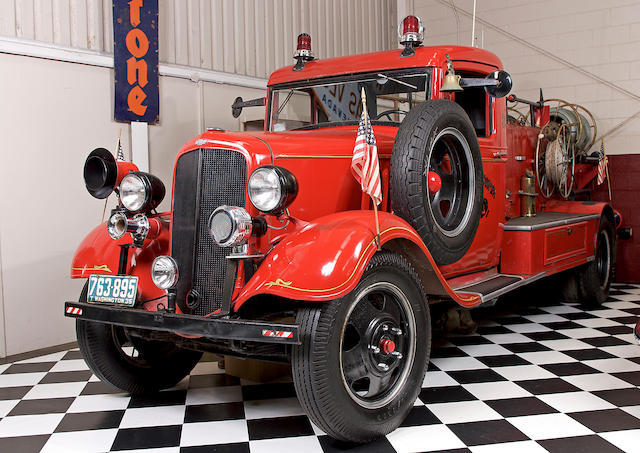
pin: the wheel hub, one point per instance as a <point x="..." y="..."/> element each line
<point x="386" y="341"/>
<point x="378" y="345"/>
<point x="387" y="346"/>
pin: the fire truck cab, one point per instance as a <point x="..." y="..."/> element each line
<point x="271" y="249"/>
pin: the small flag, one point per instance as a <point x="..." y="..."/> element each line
<point x="119" y="154"/>
<point x="602" y="165"/>
<point x="364" y="163"/>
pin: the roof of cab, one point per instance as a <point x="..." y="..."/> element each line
<point x="383" y="61"/>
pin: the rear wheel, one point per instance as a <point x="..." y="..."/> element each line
<point x="594" y="280"/>
<point x="130" y="363"/>
<point x="363" y="357"/>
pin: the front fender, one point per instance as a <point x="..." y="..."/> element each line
<point x="98" y="253"/>
<point x="326" y="259"/>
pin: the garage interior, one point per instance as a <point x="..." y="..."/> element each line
<point x="532" y="373"/>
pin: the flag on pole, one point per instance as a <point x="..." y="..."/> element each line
<point x="602" y="164"/>
<point x="119" y="153"/>
<point x="364" y="163"/>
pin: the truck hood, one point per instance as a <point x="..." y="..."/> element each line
<point x="262" y="148"/>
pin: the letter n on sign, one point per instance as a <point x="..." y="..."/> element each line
<point x="135" y="60"/>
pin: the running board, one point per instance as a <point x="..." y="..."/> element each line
<point x="497" y="285"/>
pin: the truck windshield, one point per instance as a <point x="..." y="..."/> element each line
<point x="336" y="101"/>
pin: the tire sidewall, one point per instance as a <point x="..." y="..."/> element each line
<point x="386" y="418"/>
<point x="106" y="360"/>
<point x="455" y="121"/>
<point x="430" y="118"/>
<point x="593" y="293"/>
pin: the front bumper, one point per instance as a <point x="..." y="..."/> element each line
<point x="215" y="328"/>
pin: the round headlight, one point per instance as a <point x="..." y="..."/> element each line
<point x="164" y="272"/>
<point x="141" y="191"/>
<point x="133" y="192"/>
<point x="272" y="189"/>
<point x="230" y="225"/>
<point x="264" y="189"/>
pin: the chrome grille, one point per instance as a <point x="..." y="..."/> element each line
<point x="204" y="180"/>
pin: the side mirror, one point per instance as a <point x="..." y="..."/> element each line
<point x="239" y="104"/>
<point x="503" y="87"/>
<point x="497" y="84"/>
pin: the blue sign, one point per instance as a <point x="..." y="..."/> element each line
<point x="135" y="60"/>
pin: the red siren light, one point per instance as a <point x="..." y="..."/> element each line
<point x="303" y="51"/>
<point x="304" y="47"/>
<point x="411" y="30"/>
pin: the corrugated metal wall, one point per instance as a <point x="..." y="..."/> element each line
<point x="251" y="37"/>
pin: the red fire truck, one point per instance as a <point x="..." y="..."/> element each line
<point x="271" y="249"/>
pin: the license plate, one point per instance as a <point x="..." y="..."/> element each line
<point x="113" y="289"/>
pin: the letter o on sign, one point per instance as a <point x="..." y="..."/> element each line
<point x="137" y="43"/>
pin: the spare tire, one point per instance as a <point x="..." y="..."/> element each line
<point x="437" y="140"/>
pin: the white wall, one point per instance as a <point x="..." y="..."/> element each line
<point x="584" y="51"/>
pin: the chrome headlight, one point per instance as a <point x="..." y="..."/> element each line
<point x="133" y="192"/>
<point x="272" y="189"/>
<point x="164" y="272"/>
<point x="230" y="225"/>
<point x="141" y="191"/>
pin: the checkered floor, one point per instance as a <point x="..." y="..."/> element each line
<point x="546" y="378"/>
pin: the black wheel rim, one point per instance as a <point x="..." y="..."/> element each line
<point x="377" y="346"/>
<point x="603" y="259"/>
<point x="450" y="158"/>
<point x="132" y="349"/>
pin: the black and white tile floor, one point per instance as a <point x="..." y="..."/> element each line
<point x="546" y="378"/>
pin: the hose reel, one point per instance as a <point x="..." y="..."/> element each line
<point x="570" y="132"/>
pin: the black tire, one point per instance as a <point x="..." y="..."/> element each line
<point x="594" y="279"/>
<point x="345" y="405"/>
<point x="569" y="287"/>
<point x="433" y="133"/>
<point x="158" y="365"/>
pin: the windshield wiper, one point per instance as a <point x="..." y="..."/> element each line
<point x="386" y="77"/>
<point x="277" y="115"/>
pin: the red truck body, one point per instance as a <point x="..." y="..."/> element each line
<point x="322" y="252"/>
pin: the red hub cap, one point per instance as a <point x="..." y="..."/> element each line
<point x="433" y="182"/>
<point x="387" y="346"/>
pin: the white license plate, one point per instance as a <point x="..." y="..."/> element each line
<point x="113" y="289"/>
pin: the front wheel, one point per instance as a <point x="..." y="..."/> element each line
<point x="363" y="357"/>
<point x="130" y="363"/>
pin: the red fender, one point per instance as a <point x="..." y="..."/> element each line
<point x="98" y="253"/>
<point x="326" y="259"/>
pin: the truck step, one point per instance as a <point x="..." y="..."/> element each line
<point x="497" y="285"/>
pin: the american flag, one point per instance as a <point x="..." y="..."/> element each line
<point x="602" y="164"/>
<point x="119" y="154"/>
<point x="364" y="163"/>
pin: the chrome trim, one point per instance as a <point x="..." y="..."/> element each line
<point x="245" y="256"/>
<point x="241" y="226"/>
<point x="117" y="225"/>
<point x="138" y="226"/>
<point x="551" y="224"/>
<point x="176" y="272"/>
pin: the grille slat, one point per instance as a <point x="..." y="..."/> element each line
<point x="218" y="178"/>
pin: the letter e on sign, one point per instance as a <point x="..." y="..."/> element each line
<point x="135" y="60"/>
